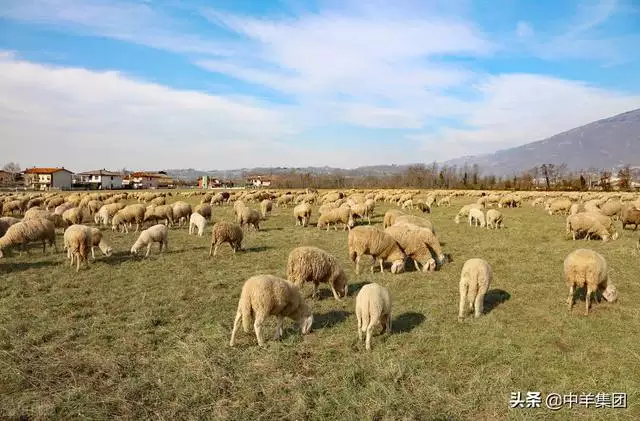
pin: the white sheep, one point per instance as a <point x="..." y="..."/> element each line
<point x="381" y="246"/>
<point x="494" y="219"/>
<point x="587" y="268"/>
<point x="475" y="279"/>
<point x="25" y="232"/>
<point x="181" y="212"/>
<point x="6" y="222"/>
<point x="156" y="234"/>
<point x="197" y="221"/>
<point x="225" y="232"/>
<point x="302" y="213"/>
<point x="311" y="264"/>
<point x="336" y="216"/>
<point x="77" y="242"/>
<point x="97" y="240"/>
<point x="373" y="307"/>
<point x="267" y="295"/>
<point x="476" y="218"/>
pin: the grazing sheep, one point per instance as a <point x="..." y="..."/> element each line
<point x="94" y="206"/>
<point x="420" y="244"/>
<point x="494" y="219"/>
<point x="158" y="201"/>
<point x="265" y="207"/>
<point x="77" y="242"/>
<point x="156" y="234"/>
<point x="390" y="217"/>
<point x="464" y="211"/>
<point x="204" y="209"/>
<point x="181" y="213"/>
<point x="25" y="232"/>
<point x="249" y="217"/>
<point x="311" y="264"/>
<point x="267" y="295"/>
<point x="225" y="232"/>
<point x="97" y="240"/>
<point x="587" y="268"/>
<point x="6" y="222"/>
<point x="361" y="211"/>
<point x="373" y="307"/>
<point x="588" y="224"/>
<point x="106" y="212"/>
<point x="162" y="212"/>
<point x="128" y="215"/>
<point x="424" y="207"/>
<point x="476" y="218"/>
<point x="218" y="199"/>
<point x="302" y="213"/>
<point x="474" y="283"/>
<point x="414" y="220"/>
<point x="381" y="246"/>
<point x="336" y="216"/>
<point x="630" y="216"/>
<point x="75" y="215"/>
<point x="197" y="221"/>
<point x="36" y="213"/>
<point x="562" y="206"/>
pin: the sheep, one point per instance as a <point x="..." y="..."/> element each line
<point x="475" y="279"/>
<point x="106" y="212"/>
<point x="218" y="199"/>
<point x="587" y="268"/>
<point x="302" y="213"/>
<point x="32" y="230"/>
<point x="311" y="264"/>
<point x="128" y="215"/>
<point x="390" y="217"/>
<point x="335" y="216"/>
<point x="98" y="241"/>
<point x="156" y="234"/>
<point x="420" y="244"/>
<point x="181" y="212"/>
<point x="204" y="209"/>
<point x="267" y="295"/>
<point x="155" y="213"/>
<point x="381" y="246"/>
<point x="249" y="217"/>
<point x="630" y="216"/>
<point x="423" y="207"/>
<point x="77" y="242"/>
<point x="284" y="201"/>
<point x="464" y="211"/>
<point x="559" y="206"/>
<point x="197" y="221"/>
<point x="476" y="218"/>
<point x="589" y="224"/>
<point x="36" y="213"/>
<point x="265" y="207"/>
<point x="6" y="222"/>
<point x="494" y="219"/>
<point x="414" y="220"/>
<point x="407" y="204"/>
<point x="225" y="232"/>
<point x="94" y="206"/>
<point x="373" y="307"/>
<point x="158" y="201"/>
<point x="13" y="207"/>
<point x="75" y="215"/>
<point x="361" y="211"/>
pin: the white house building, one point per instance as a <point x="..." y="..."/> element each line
<point x="47" y="178"/>
<point x="101" y="179"/>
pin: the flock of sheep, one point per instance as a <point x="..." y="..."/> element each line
<point x="402" y="238"/>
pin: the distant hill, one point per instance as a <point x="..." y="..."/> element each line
<point x="608" y="143"/>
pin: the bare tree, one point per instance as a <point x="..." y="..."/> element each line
<point x="625" y="178"/>
<point x="12" y="168"/>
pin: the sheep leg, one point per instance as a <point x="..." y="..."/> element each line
<point x="479" y="305"/>
<point x="417" y="265"/>
<point x="78" y="262"/>
<point x="335" y="293"/>
<point x="369" y="334"/>
<point x="381" y="265"/>
<point x="148" y="250"/>
<point x="570" y="299"/>
<point x="257" y="327"/>
<point x="587" y="300"/>
<point x="93" y="253"/>
<point x="359" y="317"/>
<point x="315" y="291"/>
<point x="358" y="265"/>
<point x="463" y="302"/>
<point x="236" y="326"/>
<point x="211" y="250"/>
<point x="278" y="334"/>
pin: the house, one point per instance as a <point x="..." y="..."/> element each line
<point x="206" y="182"/>
<point x="148" y="180"/>
<point x="5" y="177"/>
<point x="101" y="179"/>
<point x="47" y="178"/>
<point x="258" y="181"/>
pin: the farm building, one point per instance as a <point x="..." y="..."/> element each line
<point x="258" y="181"/>
<point x="5" y="177"/>
<point x="47" y="178"/>
<point x="148" y="180"/>
<point x="101" y="179"/>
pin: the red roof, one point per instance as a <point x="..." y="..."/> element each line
<point x="35" y="170"/>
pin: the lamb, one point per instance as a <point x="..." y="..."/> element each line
<point x="156" y="234"/>
<point x="204" y="209"/>
<point x="464" y="211"/>
<point x="311" y="264"/>
<point x="32" y="230"/>
<point x="630" y="216"/>
<point x="420" y="244"/>
<point x="378" y="244"/>
<point x="302" y="213"/>
<point x="155" y="213"/>
<point x="197" y="221"/>
<point x="128" y="215"/>
<point x="98" y="241"/>
<point x="77" y="242"/>
<point x="6" y="222"/>
<point x="267" y="295"/>
<point x="225" y="232"/>
<point x="335" y="216"/>
<point x="494" y="219"/>
<point x="587" y="268"/>
<point x="265" y="207"/>
<point x="373" y="307"/>
<point x="475" y="279"/>
<point x="249" y="217"/>
<point x="181" y="212"/>
<point x="476" y="218"/>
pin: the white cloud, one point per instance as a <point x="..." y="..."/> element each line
<point x="524" y="30"/>
<point x="520" y="108"/>
<point x="84" y="119"/>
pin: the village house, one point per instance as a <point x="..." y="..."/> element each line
<point x="47" y="178"/>
<point x="258" y="181"/>
<point x="101" y="179"/>
<point x="148" y="180"/>
<point x="5" y="177"/>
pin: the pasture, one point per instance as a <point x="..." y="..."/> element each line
<point x="133" y="338"/>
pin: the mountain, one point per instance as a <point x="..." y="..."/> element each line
<point x="608" y="143"/>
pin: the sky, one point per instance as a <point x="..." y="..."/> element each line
<point x="206" y="84"/>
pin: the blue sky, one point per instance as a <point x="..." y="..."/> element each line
<point x="237" y="83"/>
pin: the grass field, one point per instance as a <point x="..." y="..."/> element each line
<point x="148" y="339"/>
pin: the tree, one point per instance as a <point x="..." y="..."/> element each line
<point x="583" y="183"/>
<point x="550" y="173"/>
<point x="14" y="169"/>
<point x="605" y="180"/>
<point x="465" y="179"/>
<point x="624" y="176"/>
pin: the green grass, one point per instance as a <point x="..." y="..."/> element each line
<point x="148" y="339"/>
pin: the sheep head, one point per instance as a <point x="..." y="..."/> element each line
<point x="610" y="293"/>
<point x="305" y="319"/>
<point x="397" y="267"/>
